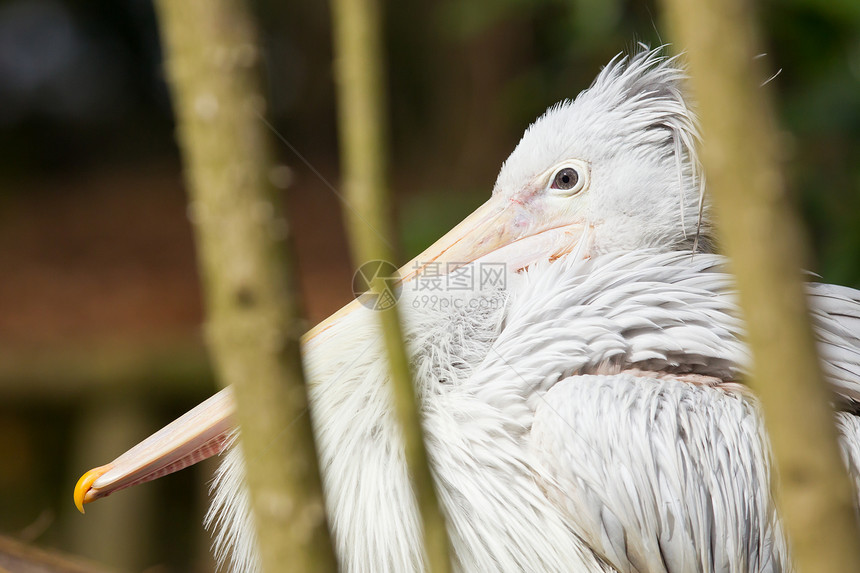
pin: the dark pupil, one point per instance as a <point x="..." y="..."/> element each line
<point x="566" y="179"/>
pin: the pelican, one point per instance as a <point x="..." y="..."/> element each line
<point x="584" y="406"/>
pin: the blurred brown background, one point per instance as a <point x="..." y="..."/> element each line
<point x="100" y="314"/>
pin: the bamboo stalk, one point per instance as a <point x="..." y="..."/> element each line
<point x="252" y="329"/>
<point x="359" y="69"/>
<point x="760" y="234"/>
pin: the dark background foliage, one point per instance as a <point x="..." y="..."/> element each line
<point x="99" y="311"/>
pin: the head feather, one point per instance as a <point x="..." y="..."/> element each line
<point x="636" y="122"/>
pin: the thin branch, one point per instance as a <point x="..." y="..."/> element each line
<point x="23" y="558"/>
<point x="359" y="65"/>
<point x="252" y="329"/>
<point x="760" y="234"/>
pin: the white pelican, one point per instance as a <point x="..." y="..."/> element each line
<point x="585" y="415"/>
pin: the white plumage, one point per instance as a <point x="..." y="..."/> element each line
<point x="602" y="422"/>
<point x="589" y="415"/>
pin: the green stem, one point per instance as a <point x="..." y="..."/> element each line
<point x="359" y="65"/>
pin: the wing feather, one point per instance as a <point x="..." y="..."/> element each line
<point x="660" y="475"/>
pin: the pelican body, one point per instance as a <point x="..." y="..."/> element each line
<point x="584" y="411"/>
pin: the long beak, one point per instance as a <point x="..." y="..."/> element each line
<point x="501" y="230"/>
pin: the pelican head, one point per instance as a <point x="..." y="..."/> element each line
<point x="619" y="159"/>
<point x="617" y="164"/>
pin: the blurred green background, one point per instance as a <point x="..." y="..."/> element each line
<point x="100" y="339"/>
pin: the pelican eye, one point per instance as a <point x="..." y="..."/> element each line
<point x="566" y="179"/>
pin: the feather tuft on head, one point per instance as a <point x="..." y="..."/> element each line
<point x="635" y="126"/>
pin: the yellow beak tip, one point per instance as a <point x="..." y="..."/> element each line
<point x="82" y="488"/>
